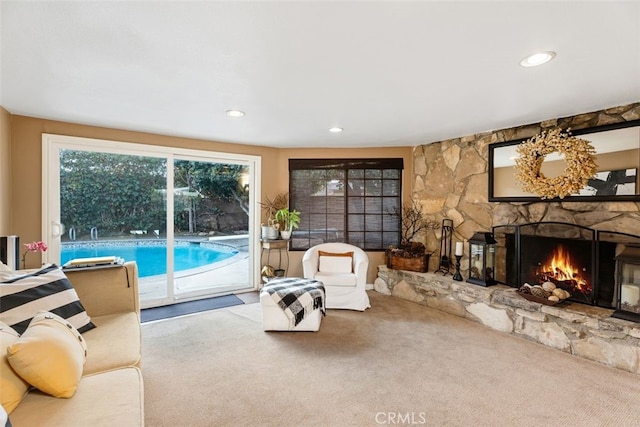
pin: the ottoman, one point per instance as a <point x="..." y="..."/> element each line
<point x="274" y="317"/>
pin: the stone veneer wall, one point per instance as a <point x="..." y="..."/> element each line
<point x="578" y="329"/>
<point x="451" y="181"/>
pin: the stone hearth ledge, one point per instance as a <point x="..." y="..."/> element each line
<point x="582" y="330"/>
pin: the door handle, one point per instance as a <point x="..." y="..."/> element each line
<point x="56" y="229"/>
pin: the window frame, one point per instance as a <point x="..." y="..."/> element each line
<point x="345" y="166"/>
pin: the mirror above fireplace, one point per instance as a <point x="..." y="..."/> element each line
<point x="617" y="155"/>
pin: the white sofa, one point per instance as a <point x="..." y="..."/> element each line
<point x="110" y="391"/>
<point x="344" y="277"/>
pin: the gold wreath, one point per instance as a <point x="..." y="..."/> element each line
<point x="578" y="154"/>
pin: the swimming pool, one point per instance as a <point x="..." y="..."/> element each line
<point x="151" y="258"/>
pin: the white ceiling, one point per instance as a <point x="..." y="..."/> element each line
<point x="390" y="73"/>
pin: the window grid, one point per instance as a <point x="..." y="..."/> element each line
<point x="356" y="204"/>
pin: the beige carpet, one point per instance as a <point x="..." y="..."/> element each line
<point x="398" y="363"/>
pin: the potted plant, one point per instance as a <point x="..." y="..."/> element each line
<point x="271" y="206"/>
<point x="288" y="220"/>
<point x="410" y="255"/>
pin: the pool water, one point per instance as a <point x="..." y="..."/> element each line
<point x="152" y="260"/>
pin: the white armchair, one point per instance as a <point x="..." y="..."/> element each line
<point x="343" y="270"/>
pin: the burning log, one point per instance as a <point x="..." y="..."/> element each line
<point x="560" y="271"/>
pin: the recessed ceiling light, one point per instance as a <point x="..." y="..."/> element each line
<point x="336" y="130"/>
<point x="537" y="59"/>
<point x="235" y="113"/>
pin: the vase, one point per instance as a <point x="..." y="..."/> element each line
<point x="269" y="232"/>
<point x="285" y="234"/>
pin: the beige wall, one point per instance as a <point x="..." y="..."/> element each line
<point x="5" y="172"/>
<point x="26" y="158"/>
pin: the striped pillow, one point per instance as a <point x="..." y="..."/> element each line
<point x="22" y="296"/>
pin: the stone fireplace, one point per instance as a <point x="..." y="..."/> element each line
<point x="451" y="181"/>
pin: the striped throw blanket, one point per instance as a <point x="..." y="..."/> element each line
<point x="296" y="297"/>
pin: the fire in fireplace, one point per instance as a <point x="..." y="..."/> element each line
<point x="568" y="263"/>
<point x="564" y="272"/>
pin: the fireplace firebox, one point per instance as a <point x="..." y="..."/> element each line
<point x="578" y="259"/>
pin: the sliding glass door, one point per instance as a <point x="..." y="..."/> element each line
<point x="211" y="219"/>
<point x="112" y="205"/>
<point x="184" y="216"/>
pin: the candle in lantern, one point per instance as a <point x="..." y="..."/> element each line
<point x="459" y="248"/>
<point x="630" y="294"/>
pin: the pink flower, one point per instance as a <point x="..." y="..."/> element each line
<point x="38" y="246"/>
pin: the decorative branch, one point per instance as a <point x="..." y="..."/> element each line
<point x="413" y="221"/>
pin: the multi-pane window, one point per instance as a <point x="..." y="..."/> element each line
<point x="346" y="200"/>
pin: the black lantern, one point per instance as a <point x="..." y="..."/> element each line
<point x="628" y="284"/>
<point x="482" y="259"/>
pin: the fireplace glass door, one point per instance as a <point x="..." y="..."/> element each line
<point x="597" y="267"/>
<point x="628" y="266"/>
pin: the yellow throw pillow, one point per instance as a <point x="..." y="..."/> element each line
<point x="49" y="355"/>
<point x="12" y="387"/>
